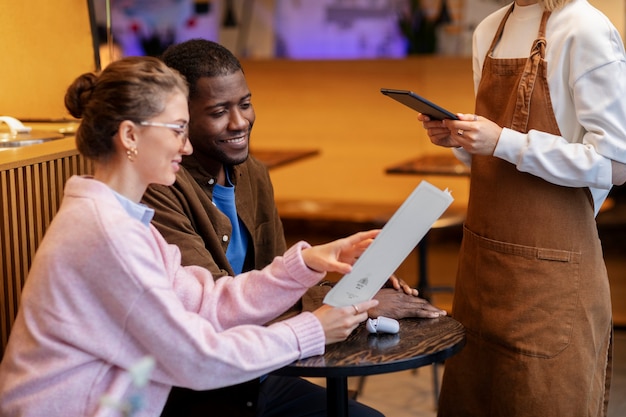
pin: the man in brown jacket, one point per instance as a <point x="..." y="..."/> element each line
<point x="222" y="215"/>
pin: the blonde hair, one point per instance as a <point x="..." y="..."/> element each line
<point x="552" y="5"/>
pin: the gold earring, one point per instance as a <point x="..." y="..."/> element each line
<point x="131" y="154"/>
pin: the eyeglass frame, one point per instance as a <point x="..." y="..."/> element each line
<point x="179" y="129"/>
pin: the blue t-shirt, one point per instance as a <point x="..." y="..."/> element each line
<point x="224" y="199"/>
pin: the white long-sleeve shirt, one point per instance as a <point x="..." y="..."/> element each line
<point x="105" y="290"/>
<point x="587" y="82"/>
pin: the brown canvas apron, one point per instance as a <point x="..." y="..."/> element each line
<point x="532" y="288"/>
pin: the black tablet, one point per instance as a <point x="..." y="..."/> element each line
<point x="418" y="103"/>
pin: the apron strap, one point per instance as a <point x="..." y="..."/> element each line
<point x="529" y="77"/>
<point x="498" y="34"/>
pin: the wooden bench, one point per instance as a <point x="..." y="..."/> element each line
<point x="335" y="218"/>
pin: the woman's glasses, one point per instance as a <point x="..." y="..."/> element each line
<point x="181" y="130"/>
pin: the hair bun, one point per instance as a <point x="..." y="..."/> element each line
<point x="79" y="93"/>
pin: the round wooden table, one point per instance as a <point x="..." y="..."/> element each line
<point x="420" y="342"/>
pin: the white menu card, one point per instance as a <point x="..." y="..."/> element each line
<point x="404" y="230"/>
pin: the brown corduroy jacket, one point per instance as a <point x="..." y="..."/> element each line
<point x="186" y="216"/>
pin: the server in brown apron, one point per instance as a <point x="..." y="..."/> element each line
<point x="532" y="289"/>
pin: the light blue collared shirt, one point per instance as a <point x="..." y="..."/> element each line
<point x="137" y="211"/>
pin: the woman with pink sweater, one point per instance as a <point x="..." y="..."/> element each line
<point x="105" y="290"/>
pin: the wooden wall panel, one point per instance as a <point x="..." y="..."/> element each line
<point x="30" y="195"/>
<point x="45" y="45"/>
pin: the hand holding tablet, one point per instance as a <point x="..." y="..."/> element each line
<point x="419" y="103"/>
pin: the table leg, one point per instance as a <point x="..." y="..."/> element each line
<point x="337" y="396"/>
<point x="425" y="289"/>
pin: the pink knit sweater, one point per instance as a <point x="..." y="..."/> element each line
<point x="104" y="291"/>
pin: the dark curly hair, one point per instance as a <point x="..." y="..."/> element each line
<point x="198" y="58"/>
<point x="133" y="88"/>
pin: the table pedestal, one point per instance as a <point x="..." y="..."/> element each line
<point x="337" y="396"/>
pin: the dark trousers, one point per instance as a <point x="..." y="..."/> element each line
<point x="282" y="396"/>
<point x="276" y="396"/>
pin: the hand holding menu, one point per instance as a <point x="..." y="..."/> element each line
<point x="397" y="239"/>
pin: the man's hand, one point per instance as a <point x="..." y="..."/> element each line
<point x="400" y="284"/>
<point x="396" y="304"/>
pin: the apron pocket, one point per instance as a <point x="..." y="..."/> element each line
<point x="525" y="297"/>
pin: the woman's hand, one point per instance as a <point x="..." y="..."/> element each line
<point x="339" y="255"/>
<point x="438" y="132"/>
<point x="339" y="322"/>
<point x="476" y="134"/>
